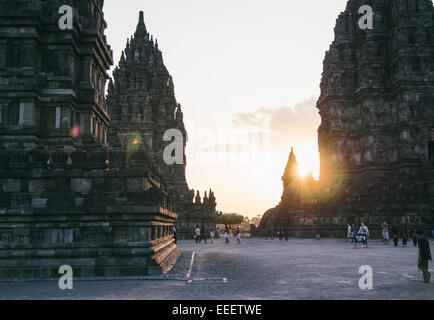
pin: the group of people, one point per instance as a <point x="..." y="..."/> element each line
<point x="200" y="234"/>
<point x="396" y="234"/>
<point x="352" y="232"/>
<point x="237" y="233"/>
<point x="424" y="252"/>
<point x="283" y="233"/>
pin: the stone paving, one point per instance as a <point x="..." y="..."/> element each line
<point x="258" y="269"/>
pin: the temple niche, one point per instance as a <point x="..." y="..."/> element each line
<point x="376" y="138"/>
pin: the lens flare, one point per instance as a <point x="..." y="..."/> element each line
<point x="75" y="132"/>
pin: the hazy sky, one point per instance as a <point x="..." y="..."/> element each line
<point x="247" y="75"/>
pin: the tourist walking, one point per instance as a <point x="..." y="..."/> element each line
<point x="212" y="233"/>
<point x="202" y="235"/>
<point x="354" y="231"/>
<point x="238" y="233"/>
<point x="280" y="233"/>
<point x="197" y="234"/>
<point x="227" y="235"/>
<point x="385" y="231"/>
<point x="395" y="236"/>
<point x="285" y="233"/>
<point x="175" y="234"/>
<point x="414" y="237"/>
<point x="365" y="232"/>
<point x="349" y="233"/>
<point x="424" y="255"/>
<point x="404" y="237"/>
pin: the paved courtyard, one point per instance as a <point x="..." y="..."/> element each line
<point x="258" y="269"/>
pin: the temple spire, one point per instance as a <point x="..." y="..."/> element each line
<point x="141" y="28"/>
<point x="141" y="18"/>
<point x="291" y="169"/>
<point x="292" y="157"/>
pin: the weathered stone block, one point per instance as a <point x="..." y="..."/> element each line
<point x="39" y="202"/>
<point x="98" y="184"/>
<point x="36" y="186"/>
<point x="78" y="202"/>
<point x="81" y="185"/>
<point x="114" y="184"/>
<point x="11" y="185"/>
<point x="37" y="173"/>
<point x="135" y="184"/>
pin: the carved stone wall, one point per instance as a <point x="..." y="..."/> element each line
<point x="65" y="199"/>
<point x="102" y="221"/>
<point x="52" y="81"/>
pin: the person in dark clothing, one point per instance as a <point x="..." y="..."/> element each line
<point x="395" y="237"/>
<point x="281" y="234"/>
<point x="285" y="233"/>
<point x="175" y="234"/>
<point x="424" y="255"/>
<point x="414" y="237"/>
<point x="404" y="237"/>
<point x="354" y="229"/>
<point x="202" y="235"/>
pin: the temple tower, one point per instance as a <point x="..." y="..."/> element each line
<point x="143" y="106"/>
<point x="53" y="91"/>
<point x="65" y="197"/>
<point x="377" y="92"/>
<point x="376" y="138"/>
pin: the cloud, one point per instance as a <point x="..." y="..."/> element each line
<point x="287" y="124"/>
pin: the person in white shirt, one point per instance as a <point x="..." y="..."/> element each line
<point x="364" y="231"/>
<point x="212" y="233"/>
<point x="385" y="230"/>
<point x="197" y="234"/>
<point x="349" y="233"/>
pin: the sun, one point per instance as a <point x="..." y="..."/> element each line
<point x="307" y="158"/>
<point x="303" y="171"/>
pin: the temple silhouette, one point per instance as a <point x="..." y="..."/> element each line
<point x="376" y="138"/>
<point x="143" y="106"/>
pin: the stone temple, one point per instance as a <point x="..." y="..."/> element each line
<point x="143" y="107"/>
<point x="376" y="138"/>
<point x="74" y="188"/>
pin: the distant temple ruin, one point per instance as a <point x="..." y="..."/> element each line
<point x="376" y="138"/>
